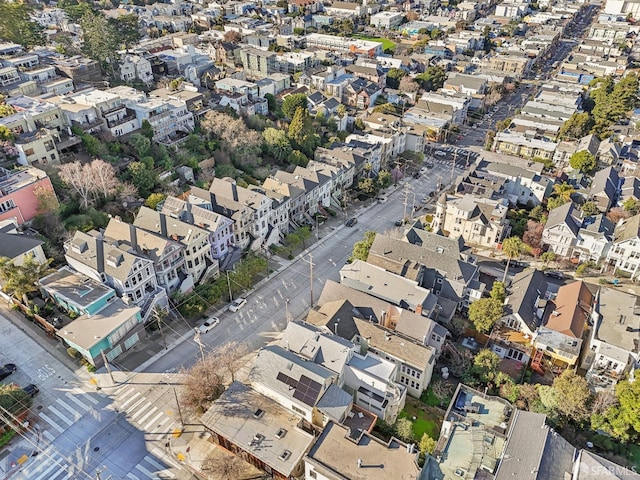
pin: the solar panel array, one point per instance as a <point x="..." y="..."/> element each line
<point x="287" y="379"/>
<point x="307" y="391"/>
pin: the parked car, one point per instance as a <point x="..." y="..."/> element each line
<point x="514" y="263"/>
<point x="440" y="153"/>
<point x="382" y="199"/>
<point x="209" y="324"/>
<point x="399" y="223"/>
<point x="6" y="370"/>
<point x="237" y="304"/>
<point x="31" y="390"/>
<point x="554" y="274"/>
<point x="56" y="322"/>
<point x="429" y="164"/>
<point x="352" y="221"/>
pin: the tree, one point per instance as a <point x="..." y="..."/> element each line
<point x="432" y="79"/>
<point x="231" y="357"/>
<point x="562" y="193"/>
<point x="361" y="248"/>
<point x="578" y="125"/>
<point x="427" y="445"/>
<point x="100" y="40"/>
<point x="276" y="143"/>
<point x="394" y="75"/>
<point x="512" y="247"/>
<point x="408" y="84"/>
<point x="622" y="419"/>
<point x="498" y="292"/>
<point x="616" y="214"/>
<point x="384" y="179"/>
<point x="203" y="383"/>
<point x="104" y="178"/>
<point x="403" y="429"/>
<point x="220" y="464"/>
<point x="140" y="144"/>
<point x="127" y="29"/>
<point x="367" y="186"/>
<point x="271" y="102"/>
<point x="20" y="280"/>
<point x="572" y="392"/>
<point x="154" y="200"/>
<point x="292" y="102"/>
<point x="232" y="37"/>
<point x="485" y="365"/>
<point x="299" y="126"/>
<point x="547" y="257"/>
<point x="484" y="313"/>
<point x="143" y="178"/>
<point x="14" y="400"/>
<point x="5" y="111"/>
<point x="75" y="177"/>
<point x="16" y="25"/>
<point x="533" y="236"/>
<point x="146" y="129"/>
<point x="590" y="208"/>
<point x="296" y="157"/>
<point x="583" y="161"/>
<point x="631" y="206"/>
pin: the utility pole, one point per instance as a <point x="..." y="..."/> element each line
<point x="286" y="309"/>
<point x="198" y="340"/>
<point x="178" y="405"/>
<point x="106" y="364"/>
<point x="229" y="285"/>
<point x="310" y="261"/>
<point x="406" y="201"/>
<point x="158" y="319"/>
<point x="453" y="166"/>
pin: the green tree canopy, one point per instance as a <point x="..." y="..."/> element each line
<point x="20" y="280"/>
<point x="572" y="392"/>
<point x="394" y="75"/>
<point x="361" y="248"/>
<point x="127" y="29"/>
<point x="590" y="208"/>
<point x="292" y="102"/>
<point x="16" y="25"/>
<point x="512" y="247"/>
<point x="432" y="79"/>
<point x="276" y="143"/>
<point x="583" y="161"/>
<point x="15" y="400"/>
<point x="578" y="125"/>
<point x="485" y="365"/>
<point x="484" y="313"/>
<point x="142" y="177"/>
<point x="154" y="200"/>
<point x="632" y="206"/>
<point x="622" y="419"/>
<point x="100" y="40"/>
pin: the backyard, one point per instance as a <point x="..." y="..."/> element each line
<point x="426" y="421"/>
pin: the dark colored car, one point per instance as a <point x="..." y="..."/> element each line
<point x="554" y="274"/>
<point x="352" y="221"/>
<point x="6" y="370"/>
<point x="31" y="390"/>
<point x="399" y="223"/>
<point x="514" y="263"/>
<point x="56" y="322"/>
<point x="416" y="175"/>
<point x="429" y="164"/>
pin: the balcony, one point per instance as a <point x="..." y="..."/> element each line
<point x="86" y="126"/>
<point x="120" y="121"/>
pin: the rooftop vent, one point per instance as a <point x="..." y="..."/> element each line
<point x="281" y="432"/>
<point x="285" y="455"/>
<point x="258" y="413"/>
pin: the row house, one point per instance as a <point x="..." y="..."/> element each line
<point x="18" y="193"/>
<point x="612" y="346"/>
<point x="280" y="211"/>
<point x="521" y="185"/>
<point x="80" y="115"/>
<point x="624" y="254"/>
<point x="166" y="255"/>
<point x="413" y="361"/>
<point x="131" y="276"/>
<point x="347" y="161"/>
<point x="312" y="196"/>
<point x="479" y="221"/>
<point x="169" y="118"/>
<point x="250" y="209"/>
<point x="135" y="67"/>
<point x="432" y="263"/>
<point x="519" y="145"/>
<point x="109" y="106"/>
<point x="457" y="103"/>
<point x="360" y="93"/>
<point x="295" y="200"/>
<point x="198" y="263"/>
<point x="198" y="210"/>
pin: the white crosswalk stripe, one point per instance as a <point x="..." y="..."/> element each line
<point x="48" y="463"/>
<point x="75" y="413"/>
<point x="159" y="467"/>
<point x="60" y="475"/>
<point x="140" y="411"/>
<point x="47" y="434"/>
<point x="147" y="415"/>
<point x="145" y="471"/>
<point x="86" y="396"/>
<point x="51" y="422"/>
<point x="153" y="421"/>
<point x="161" y="426"/>
<point x="131" y="399"/>
<point x="132" y="476"/>
<point x="61" y="415"/>
<point x="75" y="400"/>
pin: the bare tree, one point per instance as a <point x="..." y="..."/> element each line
<point x="204" y="383"/>
<point x="408" y="84"/>
<point x="127" y="191"/>
<point x="231" y="357"/>
<point x="223" y="465"/>
<point x="75" y="177"/>
<point x="603" y="401"/>
<point x="104" y="176"/>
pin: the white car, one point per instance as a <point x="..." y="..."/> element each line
<point x="382" y="199"/>
<point x="237" y="304"/>
<point x="209" y="324"/>
<point x="440" y="153"/>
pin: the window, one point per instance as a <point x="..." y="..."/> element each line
<point x="7" y="205"/>
<point x="28" y="152"/>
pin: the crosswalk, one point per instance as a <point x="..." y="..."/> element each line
<point x="59" y="415"/>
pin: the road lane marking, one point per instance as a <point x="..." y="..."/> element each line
<point x="133" y="397"/>
<point x="159" y="427"/>
<point x="133" y="407"/>
<point x="139" y="412"/>
<point x="46" y="472"/>
<point x="132" y="476"/>
<point x="61" y="471"/>
<point x="75" y="413"/>
<point x="125" y="392"/>
<point x="147" y="415"/>
<point x="48" y="436"/>
<point x="51" y="422"/>
<point x="152" y="422"/>
<point x="78" y="402"/>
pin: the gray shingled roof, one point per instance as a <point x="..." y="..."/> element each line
<point x="14" y="245"/>
<point x="564" y="214"/>
<point x="523" y="293"/>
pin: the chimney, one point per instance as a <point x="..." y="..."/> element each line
<point x="359" y="463"/>
<point x="163" y="224"/>
<point x="234" y="191"/>
<point x="99" y="255"/>
<point x="133" y="233"/>
<point x="419" y="309"/>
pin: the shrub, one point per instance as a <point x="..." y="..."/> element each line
<point x="91" y="368"/>
<point x="73" y="353"/>
<point x="6" y="437"/>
